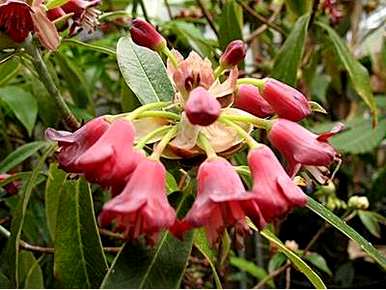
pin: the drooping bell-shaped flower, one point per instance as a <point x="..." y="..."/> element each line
<point x="248" y="98"/>
<point x="16" y="19"/>
<point x="142" y="207"/>
<point x="286" y="101"/>
<point x="202" y="108"/>
<point x="73" y="145"/>
<point x="111" y="159"/>
<point x="301" y="147"/>
<point x="274" y="191"/>
<point x="233" y="54"/>
<point x="145" y="34"/>
<point x="221" y="201"/>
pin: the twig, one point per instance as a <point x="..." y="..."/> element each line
<point x="272" y="275"/>
<point x="261" y="18"/>
<point x="288" y="278"/>
<point x="168" y="9"/>
<point x="143" y="7"/>
<point x="208" y="17"/>
<point x="315" y="7"/>
<point x="315" y="238"/>
<point x="111" y="234"/>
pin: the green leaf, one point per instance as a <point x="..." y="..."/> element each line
<point x="371" y="222"/>
<point x="20" y="154"/>
<point x="295" y="259"/>
<point x="252" y="269"/>
<point x="144" y="72"/>
<point x="289" y="58"/>
<point x="79" y="260"/>
<point x="51" y="4"/>
<point x="190" y="34"/>
<point x="10" y="260"/>
<point x="4" y="282"/>
<point x="298" y="7"/>
<point x="335" y="221"/>
<point x="202" y="244"/>
<point x="357" y="72"/>
<point x="30" y="273"/>
<point x="22" y="104"/>
<point x="360" y="138"/>
<point x="89" y="46"/>
<point x="9" y="70"/>
<point x="55" y="184"/>
<point x="137" y="266"/>
<point x="276" y="261"/>
<point x="171" y="183"/>
<point x="75" y="80"/>
<point x="319" y="262"/>
<point x="230" y="23"/>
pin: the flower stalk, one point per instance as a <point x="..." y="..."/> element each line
<point x="143" y="141"/>
<point x="204" y="143"/>
<point x="252" y="143"/>
<point x="251" y="81"/>
<point x="163" y="143"/>
<point x="255" y="121"/>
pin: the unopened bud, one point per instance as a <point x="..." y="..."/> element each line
<point x="145" y="34"/>
<point x="358" y="202"/>
<point x="233" y="54"/>
<point x="202" y="108"/>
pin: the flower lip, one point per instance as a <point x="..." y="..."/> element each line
<point x="202" y="108"/>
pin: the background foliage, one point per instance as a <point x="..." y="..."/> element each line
<point x="339" y="63"/>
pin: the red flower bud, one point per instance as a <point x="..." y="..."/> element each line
<point x="286" y="101"/>
<point x="11" y="188"/>
<point x="16" y="19"/>
<point x="202" y="108"/>
<point x="142" y="207"/>
<point x="275" y="192"/>
<point x="300" y="146"/>
<point x="233" y="54"/>
<point x="112" y="158"/>
<point x="72" y="145"/>
<point x="221" y="201"/>
<point x="144" y="34"/>
<point x="248" y="98"/>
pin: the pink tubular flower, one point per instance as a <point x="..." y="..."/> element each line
<point x="16" y="19"/>
<point x="73" y="145"/>
<point x="286" y="101"/>
<point x="112" y="158"/>
<point x="302" y="147"/>
<point x="221" y="201"/>
<point x="142" y="207"/>
<point x="233" y="54"/>
<point x="274" y="191"/>
<point x="144" y="34"/>
<point x="202" y="108"/>
<point x="248" y="98"/>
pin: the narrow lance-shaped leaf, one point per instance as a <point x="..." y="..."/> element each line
<point x="357" y="72"/>
<point x="10" y="257"/>
<point x="290" y="55"/>
<point x="230" y="23"/>
<point x="144" y="72"/>
<point x="79" y="260"/>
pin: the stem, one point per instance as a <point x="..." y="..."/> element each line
<point x="208" y="17"/>
<point x="133" y="114"/>
<point x="251" y="81"/>
<point x="218" y="71"/>
<point x="113" y="14"/>
<point x="252" y="143"/>
<point x="204" y="143"/>
<point x="256" y="121"/>
<point x="41" y="68"/>
<point x="143" y="141"/>
<point x="158" y="114"/>
<point x="163" y="143"/>
<point x="272" y="275"/>
<point x="166" y="51"/>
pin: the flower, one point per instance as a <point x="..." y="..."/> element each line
<point x="248" y="98"/>
<point x="275" y="193"/>
<point x="233" y="54"/>
<point x="142" y="207"/>
<point x="112" y="158"/>
<point x="286" y="101"/>
<point x="12" y="187"/>
<point x="221" y="201"/>
<point x="202" y="108"/>
<point x="73" y="145"/>
<point x="144" y="34"/>
<point x="302" y="147"/>
<point x="16" y="19"/>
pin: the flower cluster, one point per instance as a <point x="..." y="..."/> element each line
<point x="213" y="113"/>
<point x="18" y="19"/>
